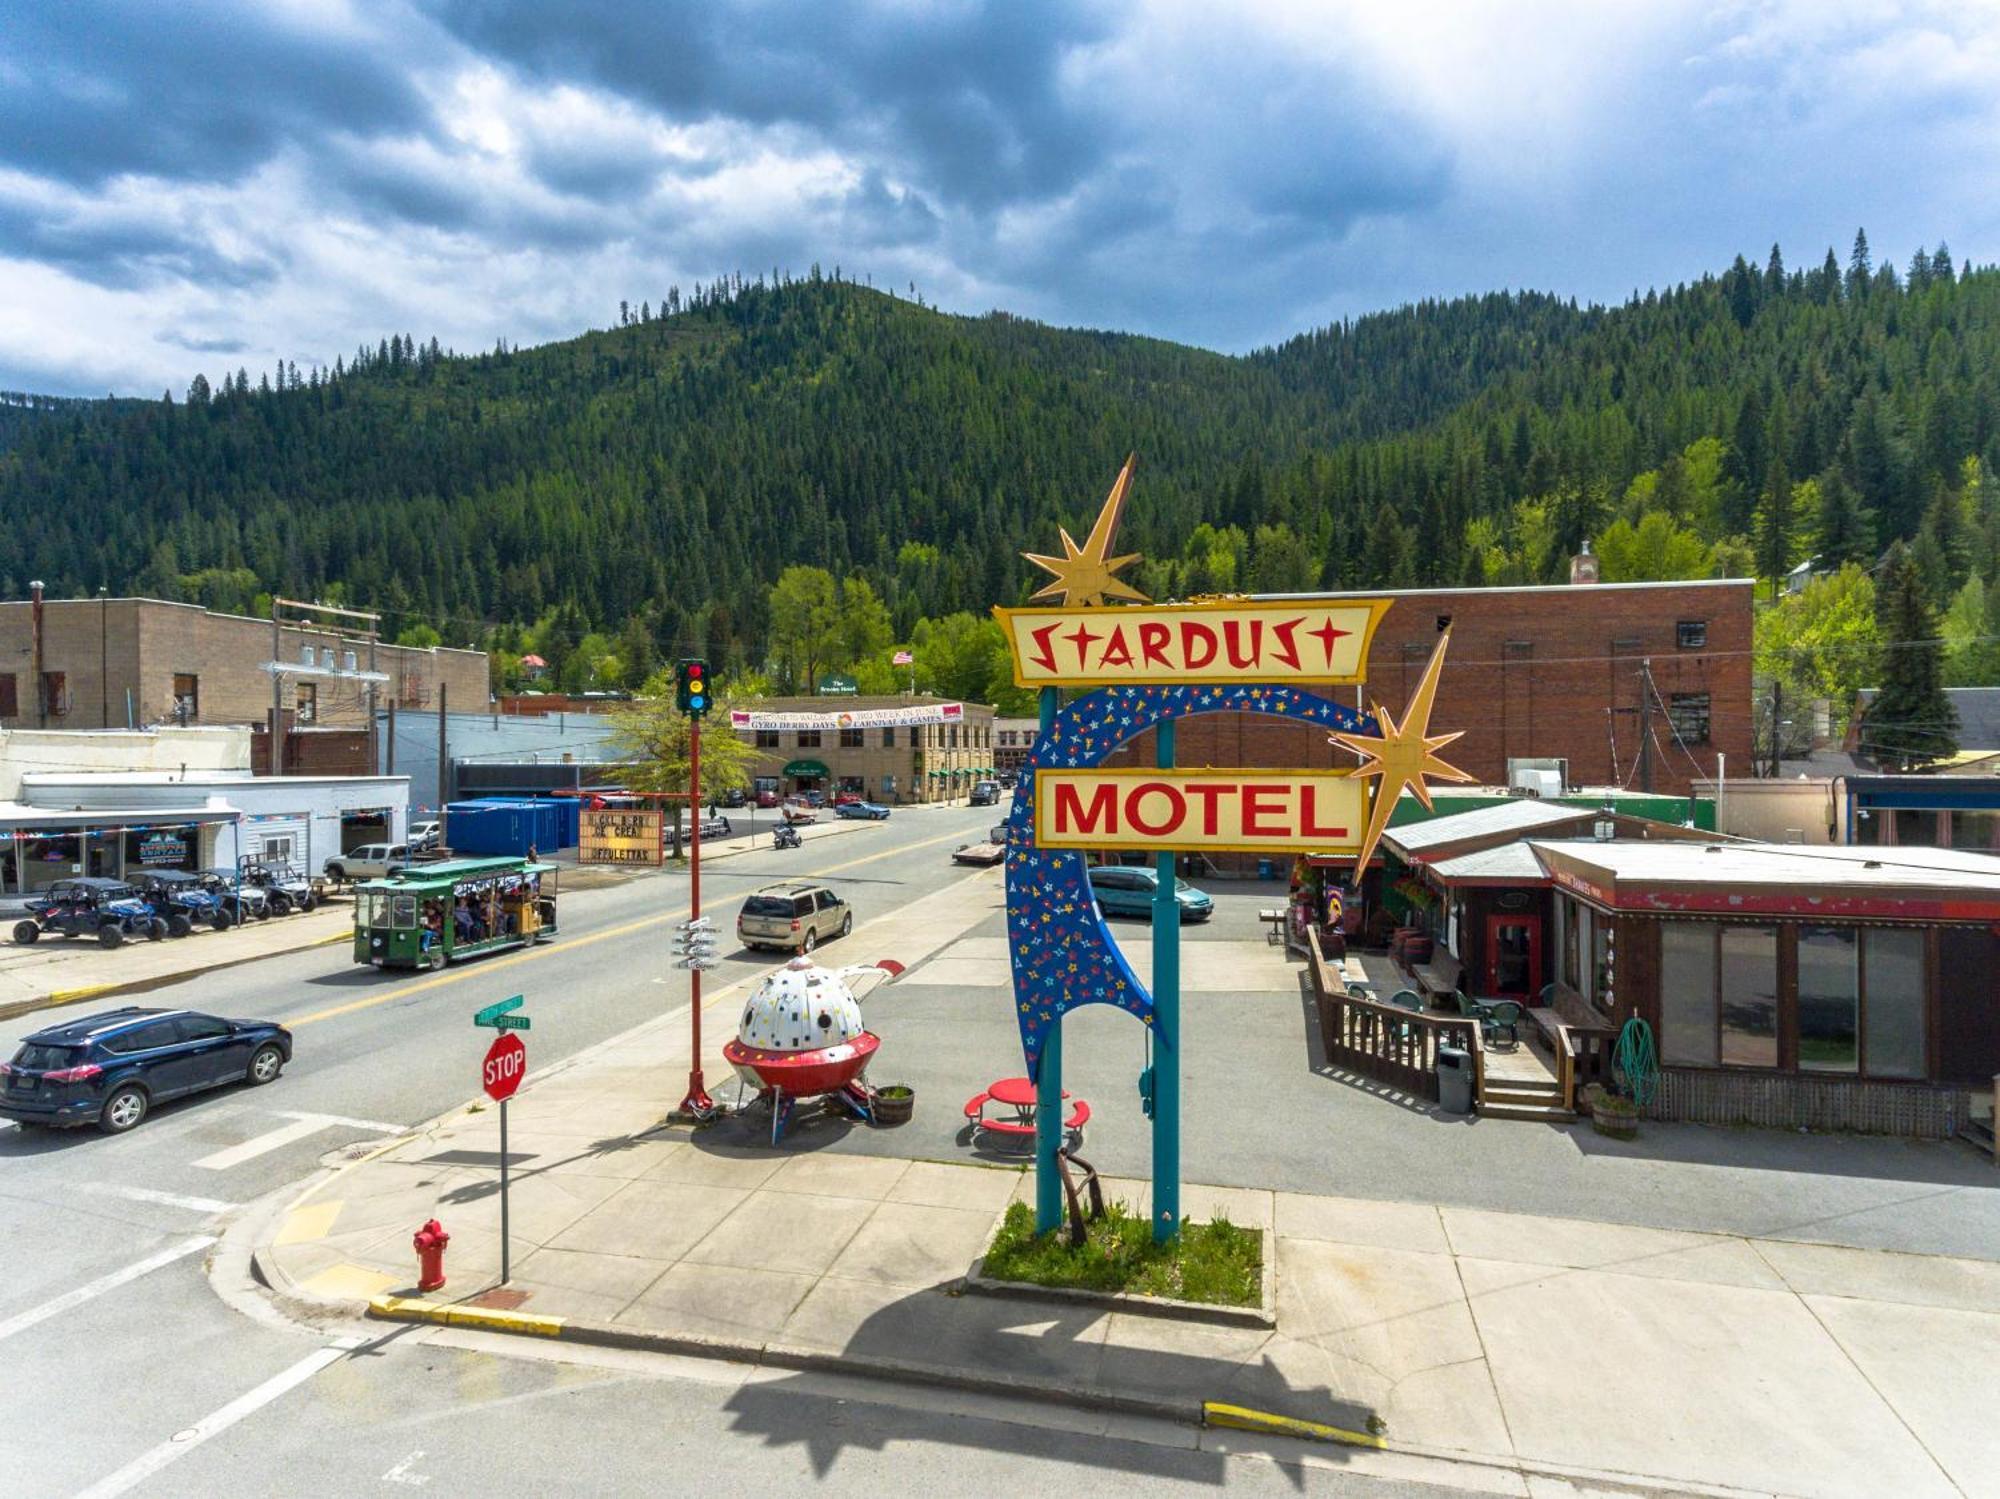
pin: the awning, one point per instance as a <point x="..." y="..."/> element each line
<point x="806" y="768"/>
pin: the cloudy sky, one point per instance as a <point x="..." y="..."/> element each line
<point x="197" y="185"/>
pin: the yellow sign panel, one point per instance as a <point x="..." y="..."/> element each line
<point x="620" y="835"/>
<point x="1273" y="641"/>
<point x="1213" y="811"/>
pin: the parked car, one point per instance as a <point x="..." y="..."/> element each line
<point x="1123" y="890"/>
<point x="716" y="826"/>
<point x="424" y="836"/>
<point x="286" y="889"/>
<point x="795" y="914"/>
<point x="813" y="797"/>
<point x="371" y="861"/>
<point x="110" y="1069"/>
<point x="842" y="798"/>
<point x="984" y="794"/>
<point x="992" y="851"/>
<point x="184" y="901"/>
<point x="734" y="797"/>
<point x="243" y="901"/>
<point x="767" y="797"/>
<point x="799" y="811"/>
<point x="91" y="906"/>
<point x="870" y="811"/>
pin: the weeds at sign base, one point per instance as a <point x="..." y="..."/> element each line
<point x="1217" y="1263"/>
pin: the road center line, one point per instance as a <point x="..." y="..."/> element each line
<point x="165" y="1199"/>
<point x="493" y="965"/>
<point x="149" y="1462"/>
<point x="90" y="1291"/>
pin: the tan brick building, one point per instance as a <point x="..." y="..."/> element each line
<point x="902" y="764"/>
<point x="1640" y="685"/>
<point x="128" y="662"/>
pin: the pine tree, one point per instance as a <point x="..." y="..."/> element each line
<point x="1843" y="530"/>
<point x="1859" y="267"/>
<point x="1911" y="722"/>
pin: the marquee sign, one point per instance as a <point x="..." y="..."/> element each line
<point x="620" y="835"/>
<point x="1209" y="811"/>
<point x="744" y="720"/>
<point x="1236" y="640"/>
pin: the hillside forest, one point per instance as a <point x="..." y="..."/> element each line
<point x="796" y="476"/>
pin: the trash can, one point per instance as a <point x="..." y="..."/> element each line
<point x="1454" y="1074"/>
<point x="1267" y="869"/>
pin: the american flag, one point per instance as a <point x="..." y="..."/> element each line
<point x="902" y="658"/>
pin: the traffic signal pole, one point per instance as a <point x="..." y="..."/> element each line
<point x="697" y="1104"/>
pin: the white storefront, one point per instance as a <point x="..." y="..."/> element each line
<point x="298" y="820"/>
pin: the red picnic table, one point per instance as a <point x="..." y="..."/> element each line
<point x="1018" y="1094"/>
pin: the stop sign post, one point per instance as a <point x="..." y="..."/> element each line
<point x="506" y="1064"/>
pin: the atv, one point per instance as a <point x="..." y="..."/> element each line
<point x="90" y="905"/>
<point x="183" y="901"/>
<point x="284" y="887"/>
<point x="241" y="900"/>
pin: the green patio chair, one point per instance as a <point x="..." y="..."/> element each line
<point x="1494" y="1017"/>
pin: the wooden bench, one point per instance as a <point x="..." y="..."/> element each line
<point x="1564" y="1008"/>
<point x="1438" y="979"/>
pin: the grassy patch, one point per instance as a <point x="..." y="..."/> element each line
<point x="1217" y="1263"/>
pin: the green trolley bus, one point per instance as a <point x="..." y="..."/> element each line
<point x="428" y="915"/>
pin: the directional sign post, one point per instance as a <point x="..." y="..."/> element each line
<point x="506" y="1064"/>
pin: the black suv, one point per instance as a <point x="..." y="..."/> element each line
<point x="111" y="1069"/>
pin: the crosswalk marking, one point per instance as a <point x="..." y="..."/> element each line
<point x="276" y="1139"/>
<point x="22" y="1321"/>
<point x="164" y="1199"/>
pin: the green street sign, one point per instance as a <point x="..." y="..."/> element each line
<point x="492" y="1013"/>
<point x="509" y="1022"/>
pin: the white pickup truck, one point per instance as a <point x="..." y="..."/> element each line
<point x="371" y="861"/>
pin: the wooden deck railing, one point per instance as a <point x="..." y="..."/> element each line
<point x="1386" y="1041"/>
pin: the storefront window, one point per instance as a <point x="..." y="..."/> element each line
<point x="1915" y="829"/>
<point x="1895" y="1008"/>
<point x="1748" y="995"/>
<point x="1829" y="999"/>
<point x="1687" y="993"/>
<point x="1977" y="832"/>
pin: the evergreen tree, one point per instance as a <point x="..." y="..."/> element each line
<point x="1911" y="722"/>
<point x="1859" y="267"/>
<point x="1843" y="531"/>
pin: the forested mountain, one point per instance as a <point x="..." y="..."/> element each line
<point x="656" y="477"/>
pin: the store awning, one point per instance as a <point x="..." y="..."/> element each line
<point x="20" y="820"/>
<point x="806" y="768"/>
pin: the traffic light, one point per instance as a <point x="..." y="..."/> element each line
<point x="691" y="688"/>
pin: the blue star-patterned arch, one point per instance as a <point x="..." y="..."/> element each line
<point x="1061" y="953"/>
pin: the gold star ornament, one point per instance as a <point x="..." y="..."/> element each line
<point x="1404" y="755"/>
<point x="1088" y="574"/>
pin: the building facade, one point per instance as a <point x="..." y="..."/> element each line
<point x="129" y="663"/>
<point x="899" y="765"/>
<point x="1013" y="740"/>
<point x="1643" y="686"/>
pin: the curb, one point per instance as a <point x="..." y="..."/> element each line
<point x="779" y="1356"/>
<point x="1242" y="1418"/>
<point x="55" y="999"/>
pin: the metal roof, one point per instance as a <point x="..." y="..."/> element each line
<point x="1510" y="861"/>
<point x="1805" y="870"/>
<point x="1516" y="815"/>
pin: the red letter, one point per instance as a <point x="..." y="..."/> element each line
<point x="1153" y="639"/>
<point x="1189" y="640"/>
<point x="1306" y="823"/>
<point x="1072" y="817"/>
<point x="1231" y="629"/>
<point x="1139" y="824"/>
<point x="1287" y="651"/>
<point x="1116" y="651"/>
<point x="1209" y="796"/>
<point x="1043" y="657"/>
<point x="1258" y="803"/>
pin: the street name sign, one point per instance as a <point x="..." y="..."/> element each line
<point x="492" y="1013"/>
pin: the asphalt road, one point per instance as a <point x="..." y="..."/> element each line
<point x="111" y="1339"/>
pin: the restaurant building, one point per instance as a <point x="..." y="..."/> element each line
<point x="897" y="764"/>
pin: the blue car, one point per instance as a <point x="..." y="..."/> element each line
<point x="110" y="1069"/>
<point x="1125" y="890"/>
<point x="873" y="811"/>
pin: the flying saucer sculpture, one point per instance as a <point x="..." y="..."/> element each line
<point x="802" y="1036"/>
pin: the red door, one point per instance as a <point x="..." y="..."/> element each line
<point x="1513" y="957"/>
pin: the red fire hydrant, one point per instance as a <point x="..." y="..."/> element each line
<point x="430" y="1241"/>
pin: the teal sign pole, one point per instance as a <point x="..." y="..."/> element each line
<point x="1048" y="1087"/>
<point x="1166" y="1069"/>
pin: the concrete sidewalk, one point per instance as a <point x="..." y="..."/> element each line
<point x="1526" y="1345"/>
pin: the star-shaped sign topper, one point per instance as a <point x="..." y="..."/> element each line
<point x="1405" y="754"/>
<point x="1088" y="574"/>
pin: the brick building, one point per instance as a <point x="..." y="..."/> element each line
<point x="1639" y="685"/>
<point x="130" y="662"/>
<point x="906" y="763"/>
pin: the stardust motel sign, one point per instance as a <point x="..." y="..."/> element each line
<point x="1282" y="642"/>
<point x="1213" y="811"/>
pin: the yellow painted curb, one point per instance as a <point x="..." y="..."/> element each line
<point x="71" y="996"/>
<point x="1242" y="1418"/>
<point x="413" y="1309"/>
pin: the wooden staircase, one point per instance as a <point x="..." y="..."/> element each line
<point x="1517" y="1084"/>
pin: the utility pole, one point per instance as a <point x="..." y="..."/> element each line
<point x="274" y="762"/>
<point x="374" y="754"/>
<point x="389" y="742"/>
<point x="41" y="677"/>
<point x="1777" y="723"/>
<point x="1646" y="727"/>
<point x="444" y="763"/>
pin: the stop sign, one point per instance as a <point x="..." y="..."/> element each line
<point x="506" y="1065"/>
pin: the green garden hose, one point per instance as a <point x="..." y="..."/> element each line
<point x="1637" y="1062"/>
